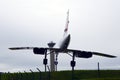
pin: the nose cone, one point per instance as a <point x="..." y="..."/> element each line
<point x="65" y="42"/>
<point x="69" y="36"/>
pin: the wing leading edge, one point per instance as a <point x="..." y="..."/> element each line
<point x="78" y="53"/>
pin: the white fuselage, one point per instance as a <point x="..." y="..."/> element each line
<point x="65" y="42"/>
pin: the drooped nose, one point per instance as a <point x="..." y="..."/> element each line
<point x="69" y="36"/>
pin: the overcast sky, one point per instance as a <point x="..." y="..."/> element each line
<point x="94" y="26"/>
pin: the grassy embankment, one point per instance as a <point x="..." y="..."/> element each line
<point x="65" y="75"/>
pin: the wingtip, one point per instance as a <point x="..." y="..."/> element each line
<point x="14" y="48"/>
<point x="11" y="48"/>
<point x="111" y="56"/>
<point x="114" y="57"/>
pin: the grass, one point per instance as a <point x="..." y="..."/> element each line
<point x="65" y="75"/>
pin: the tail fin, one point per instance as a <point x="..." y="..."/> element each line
<point x="67" y="23"/>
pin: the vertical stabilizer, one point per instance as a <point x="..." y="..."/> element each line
<point x="67" y="23"/>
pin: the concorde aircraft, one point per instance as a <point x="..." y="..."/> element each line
<point x="63" y="48"/>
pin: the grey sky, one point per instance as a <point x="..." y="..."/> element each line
<point x="94" y="26"/>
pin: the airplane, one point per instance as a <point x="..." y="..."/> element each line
<point x="63" y="47"/>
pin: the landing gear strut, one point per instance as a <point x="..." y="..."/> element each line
<point x="73" y="63"/>
<point x="45" y="61"/>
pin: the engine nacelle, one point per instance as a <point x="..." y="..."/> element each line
<point x="40" y="51"/>
<point x="83" y="54"/>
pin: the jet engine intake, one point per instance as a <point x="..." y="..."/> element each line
<point x="83" y="54"/>
<point x="40" y="51"/>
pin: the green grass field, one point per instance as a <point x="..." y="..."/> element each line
<point x="65" y="75"/>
